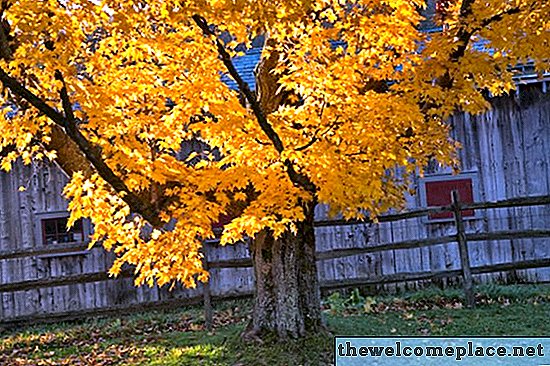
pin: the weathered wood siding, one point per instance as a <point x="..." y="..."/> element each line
<point x="20" y="228"/>
<point x="508" y="148"/>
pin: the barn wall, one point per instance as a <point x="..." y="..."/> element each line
<point x="508" y="148"/>
<point x="20" y="214"/>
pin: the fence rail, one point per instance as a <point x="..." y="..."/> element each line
<point x="46" y="251"/>
<point x="461" y="237"/>
<point x="422" y="276"/>
<point x="507" y="203"/>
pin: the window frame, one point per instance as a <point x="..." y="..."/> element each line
<point x="59" y="233"/>
<point x="40" y="234"/>
<point x="445" y="177"/>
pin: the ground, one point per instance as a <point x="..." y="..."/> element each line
<point x="179" y="338"/>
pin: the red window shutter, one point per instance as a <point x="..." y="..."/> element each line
<point x="438" y="193"/>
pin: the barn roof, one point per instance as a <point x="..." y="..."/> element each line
<point x="245" y="66"/>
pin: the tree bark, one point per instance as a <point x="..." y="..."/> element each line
<point x="287" y="302"/>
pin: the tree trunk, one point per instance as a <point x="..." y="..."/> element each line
<point x="287" y="301"/>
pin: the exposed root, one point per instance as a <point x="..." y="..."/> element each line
<point x="252" y="334"/>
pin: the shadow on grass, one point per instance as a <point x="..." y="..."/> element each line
<point x="178" y="338"/>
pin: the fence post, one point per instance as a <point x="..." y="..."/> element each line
<point x="463" y="249"/>
<point x="207" y="298"/>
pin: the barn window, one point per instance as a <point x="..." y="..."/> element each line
<point x="436" y="191"/>
<point x="54" y="231"/>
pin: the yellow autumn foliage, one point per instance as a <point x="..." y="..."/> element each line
<point x="366" y="107"/>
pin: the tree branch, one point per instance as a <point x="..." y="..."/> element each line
<point x="298" y="179"/>
<point x="93" y="154"/>
<point x="19" y="90"/>
<point x="464" y="35"/>
<point x="243" y="86"/>
<point x="261" y="142"/>
<point x="66" y="102"/>
<point x="311" y="142"/>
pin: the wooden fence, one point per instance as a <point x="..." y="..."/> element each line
<point x="232" y="276"/>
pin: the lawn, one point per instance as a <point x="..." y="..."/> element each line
<point x="179" y="338"/>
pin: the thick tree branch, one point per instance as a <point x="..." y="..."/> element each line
<point x="66" y="103"/>
<point x="68" y="155"/>
<point x="5" y="50"/>
<point x="297" y="178"/>
<point x="465" y="35"/>
<point x="243" y="86"/>
<point x="92" y="154"/>
<point x="268" y="94"/>
<point x="19" y="90"/>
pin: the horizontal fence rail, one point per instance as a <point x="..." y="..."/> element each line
<point x="397" y="277"/>
<point x="461" y="237"/>
<point x="508" y="203"/>
<point x="344" y="252"/>
<point x="422" y="276"/>
<point x="45" y="251"/>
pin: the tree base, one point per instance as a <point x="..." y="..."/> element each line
<point x="287" y="302"/>
<point x="265" y="336"/>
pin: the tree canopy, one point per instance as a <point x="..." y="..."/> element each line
<point x="351" y="100"/>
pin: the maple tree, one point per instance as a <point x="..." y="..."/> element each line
<point x="350" y="102"/>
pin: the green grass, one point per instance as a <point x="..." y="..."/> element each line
<point x="178" y="337"/>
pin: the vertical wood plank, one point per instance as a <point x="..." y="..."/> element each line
<point x="207" y="299"/>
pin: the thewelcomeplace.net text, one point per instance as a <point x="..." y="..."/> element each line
<point x="382" y="351"/>
<point x="458" y="352"/>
